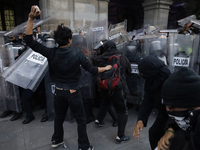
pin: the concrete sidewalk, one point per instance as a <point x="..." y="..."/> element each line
<point x="37" y="135"/>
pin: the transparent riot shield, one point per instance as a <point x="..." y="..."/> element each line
<point x="151" y="29"/>
<point x="135" y="84"/>
<point x="131" y="35"/>
<point x="87" y="80"/>
<point x="138" y="33"/>
<point x="155" y="45"/>
<point x="28" y="70"/>
<point x="183" y="51"/>
<point x="49" y="85"/>
<point x="146" y="43"/>
<point x="2" y="81"/>
<point x="98" y="30"/>
<point x="21" y="28"/>
<point x="195" y="24"/>
<point x="82" y="29"/>
<point x="85" y="30"/>
<point x="9" y="93"/>
<point x="186" y="20"/>
<point x="118" y="34"/>
<point x="76" y="26"/>
<point x="133" y="51"/>
<point x="158" y="48"/>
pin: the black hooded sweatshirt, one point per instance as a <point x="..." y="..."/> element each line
<point x="154" y="72"/>
<point x="108" y="51"/>
<point x="64" y="63"/>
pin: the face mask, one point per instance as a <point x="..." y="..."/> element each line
<point x="182" y="118"/>
<point x="182" y="122"/>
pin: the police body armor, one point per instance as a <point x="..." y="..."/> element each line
<point x="135" y="84"/>
<point x="9" y="93"/>
<point x="137" y="50"/>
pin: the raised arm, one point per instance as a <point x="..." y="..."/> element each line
<point x="32" y="15"/>
<point x="36" y="46"/>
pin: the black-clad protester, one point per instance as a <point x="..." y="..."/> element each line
<point x="117" y="98"/>
<point x="111" y="110"/>
<point x="154" y="72"/>
<point x="181" y="94"/>
<point x="64" y="65"/>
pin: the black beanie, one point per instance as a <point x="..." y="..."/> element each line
<point x="182" y="89"/>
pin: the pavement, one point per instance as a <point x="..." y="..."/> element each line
<point x="37" y="135"/>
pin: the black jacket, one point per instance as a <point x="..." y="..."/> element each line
<point x="194" y="137"/>
<point x="154" y="72"/>
<point x="64" y="63"/>
<point x="187" y="140"/>
<point x="102" y="60"/>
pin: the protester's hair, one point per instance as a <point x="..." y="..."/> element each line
<point x="62" y="35"/>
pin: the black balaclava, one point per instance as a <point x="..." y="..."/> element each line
<point x="154" y="71"/>
<point x="182" y="90"/>
<point x="108" y="47"/>
<point x="108" y="50"/>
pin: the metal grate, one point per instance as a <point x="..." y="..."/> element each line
<point x="9" y="17"/>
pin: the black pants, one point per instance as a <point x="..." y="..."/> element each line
<point x="25" y="96"/>
<point x="88" y="105"/>
<point x="156" y="131"/>
<point x="112" y="112"/>
<point x="119" y="103"/>
<point x="63" y="100"/>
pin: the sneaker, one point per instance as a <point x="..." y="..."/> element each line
<point x="122" y="139"/>
<point x="56" y="144"/>
<point x="90" y="148"/>
<point x="99" y="124"/>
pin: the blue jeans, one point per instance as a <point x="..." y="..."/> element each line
<point x="63" y="100"/>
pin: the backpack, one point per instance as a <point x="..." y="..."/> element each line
<point x="111" y="79"/>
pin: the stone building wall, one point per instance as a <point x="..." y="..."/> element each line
<point x="156" y="12"/>
<point x="73" y="13"/>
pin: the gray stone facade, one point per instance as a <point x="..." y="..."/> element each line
<point x="77" y="13"/>
<point x="73" y="13"/>
<point x="156" y="12"/>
